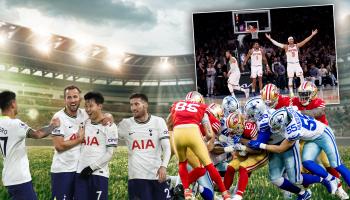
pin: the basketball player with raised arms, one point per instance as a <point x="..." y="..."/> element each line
<point x="257" y="55"/>
<point x="292" y="52"/>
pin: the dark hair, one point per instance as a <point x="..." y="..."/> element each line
<point x="139" y="95"/>
<point x="6" y="98"/>
<point x="70" y="87"/>
<point x="99" y="99"/>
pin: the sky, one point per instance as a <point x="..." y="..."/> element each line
<point x="149" y="27"/>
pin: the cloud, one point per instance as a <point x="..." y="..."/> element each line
<point x="118" y="13"/>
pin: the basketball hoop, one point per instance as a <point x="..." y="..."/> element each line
<point x="254" y="33"/>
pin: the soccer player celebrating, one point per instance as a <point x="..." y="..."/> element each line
<point x="15" y="174"/>
<point x="147" y="139"/>
<point x="234" y="75"/>
<point x="96" y="152"/>
<point x="186" y="116"/>
<point x="258" y="57"/>
<point x="293" y="65"/>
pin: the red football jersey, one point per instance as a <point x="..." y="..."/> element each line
<point x="187" y="112"/>
<point x="283" y="101"/>
<point x="250" y="130"/>
<point x="315" y="103"/>
<point x="215" y="124"/>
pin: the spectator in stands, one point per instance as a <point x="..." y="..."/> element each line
<point x="280" y="72"/>
<point x="221" y="73"/>
<point x="211" y="72"/>
<point x="331" y="75"/>
<point x="324" y="74"/>
<point x="201" y="78"/>
<point x="315" y="74"/>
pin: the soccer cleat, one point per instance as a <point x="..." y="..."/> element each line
<point x="334" y="185"/>
<point x="341" y="194"/>
<point x="188" y="194"/>
<point x="237" y="197"/>
<point x="328" y="185"/>
<point x="226" y="195"/>
<point x="305" y="196"/>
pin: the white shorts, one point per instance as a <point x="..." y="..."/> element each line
<point x="234" y="78"/>
<point x="256" y="70"/>
<point x="294" y="68"/>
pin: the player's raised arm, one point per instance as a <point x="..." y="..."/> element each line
<point x="61" y="145"/>
<point x="246" y="59"/>
<point x="268" y="36"/>
<point x="44" y="131"/>
<point x="313" y="33"/>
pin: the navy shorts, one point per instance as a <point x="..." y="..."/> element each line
<point x="142" y="189"/>
<point x="94" y="187"/>
<point x="24" y="191"/>
<point x="62" y="185"/>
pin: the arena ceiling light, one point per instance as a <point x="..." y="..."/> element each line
<point x="164" y="64"/>
<point x="81" y="56"/>
<point x="3" y="39"/>
<point x="43" y="47"/>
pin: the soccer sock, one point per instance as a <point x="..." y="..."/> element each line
<point x="195" y="174"/>
<point x="242" y="181"/>
<point x="345" y="172"/>
<point x="316" y="169"/>
<point x="215" y="176"/>
<point x="229" y="176"/>
<point x="183" y="173"/>
<point x="288" y="186"/>
<point x="206" y="193"/>
<point x="334" y="172"/>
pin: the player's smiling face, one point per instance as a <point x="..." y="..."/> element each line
<point x="93" y="109"/>
<point x="72" y="100"/>
<point x="138" y="107"/>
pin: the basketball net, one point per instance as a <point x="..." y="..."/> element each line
<point x="254" y="33"/>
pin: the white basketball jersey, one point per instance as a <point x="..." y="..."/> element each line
<point x="97" y="139"/>
<point x="303" y="127"/>
<point x="67" y="161"/>
<point x="13" y="150"/>
<point x="292" y="54"/>
<point x="256" y="57"/>
<point x="143" y="142"/>
<point x="233" y="66"/>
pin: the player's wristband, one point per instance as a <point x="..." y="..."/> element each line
<point x="262" y="146"/>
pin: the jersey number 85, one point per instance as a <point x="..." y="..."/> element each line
<point x="190" y="107"/>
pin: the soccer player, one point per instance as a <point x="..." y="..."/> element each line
<point x="66" y="140"/>
<point x="147" y="139"/>
<point x="186" y="116"/>
<point x="15" y="174"/>
<point x="257" y="55"/>
<point x="244" y="163"/>
<point x="285" y="160"/>
<point x="293" y="65"/>
<point x="96" y="152"/>
<point x="309" y="104"/>
<point x="234" y="75"/>
<point x="318" y="136"/>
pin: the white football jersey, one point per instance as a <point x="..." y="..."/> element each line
<point x="292" y="54"/>
<point x="303" y="127"/>
<point x="13" y="149"/>
<point x="97" y="139"/>
<point x="263" y="125"/>
<point x="67" y="161"/>
<point x="256" y="57"/>
<point x="144" y="148"/>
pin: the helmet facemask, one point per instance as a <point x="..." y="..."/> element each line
<point x="305" y="97"/>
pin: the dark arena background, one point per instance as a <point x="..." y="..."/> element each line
<point x="37" y="66"/>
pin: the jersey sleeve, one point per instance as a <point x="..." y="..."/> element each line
<point x="250" y="130"/>
<point x="59" y="131"/>
<point x="22" y="128"/>
<point x="112" y="136"/>
<point x="319" y="103"/>
<point x="122" y="129"/>
<point x="293" y="131"/>
<point x="215" y="124"/>
<point x="163" y="130"/>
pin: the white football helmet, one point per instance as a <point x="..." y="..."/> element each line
<point x="230" y="105"/>
<point x="279" y="120"/>
<point x="254" y="108"/>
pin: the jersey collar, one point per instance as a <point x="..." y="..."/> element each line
<point x="69" y="115"/>
<point x="145" y="122"/>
